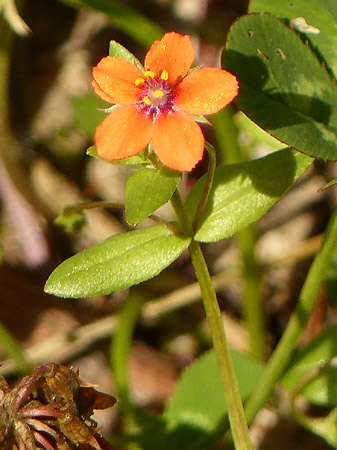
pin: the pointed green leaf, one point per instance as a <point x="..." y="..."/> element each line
<point x="330" y="184"/>
<point x="117" y="263"/>
<point x="147" y="190"/>
<point x="116" y="49"/>
<point x="139" y="159"/>
<point x="242" y="193"/>
<point x="283" y="87"/>
<point x="315" y="19"/>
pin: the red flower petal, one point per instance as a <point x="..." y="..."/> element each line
<point x="206" y="91"/>
<point x="173" y="53"/>
<point x="178" y="141"/>
<point x="114" y="80"/>
<point x="123" y="133"/>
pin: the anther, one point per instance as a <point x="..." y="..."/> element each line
<point x="139" y="81"/>
<point x="149" y="73"/>
<point x="146" y="100"/>
<point x="164" y="75"/>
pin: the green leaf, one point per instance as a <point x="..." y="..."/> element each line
<point x="242" y="193"/>
<point x="283" y="87"/>
<point x="116" y="49"/>
<point x="117" y="263"/>
<point x="198" y="404"/>
<point x="322" y="389"/>
<point x="125" y="18"/>
<point x="139" y="159"/>
<point x="147" y="190"/>
<point x="87" y="113"/>
<point x="320" y="26"/>
<point x="331" y="183"/>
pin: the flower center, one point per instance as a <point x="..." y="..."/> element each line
<point x="156" y="96"/>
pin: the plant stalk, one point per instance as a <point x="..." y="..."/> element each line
<point x="236" y="414"/>
<point x="287" y="345"/>
<point x="14" y="350"/>
<point x="252" y="305"/>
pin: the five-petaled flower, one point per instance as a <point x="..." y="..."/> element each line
<point x="157" y="105"/>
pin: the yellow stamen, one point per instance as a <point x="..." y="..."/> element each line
<point x="149" y="73"/>
<point x="139" y="81"/>
<point x="164" y="47"/>
<point x="164" y="75"/>
<point x="158" y="94"/>
<point x="146" y="100"/>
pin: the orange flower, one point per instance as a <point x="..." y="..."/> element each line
<point x="157" y="105"/>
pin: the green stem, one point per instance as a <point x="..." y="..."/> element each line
<point x="252" y="305"/>
<point x="207" y="186"/>
<point x="253" y="309"/>
<point x="119" y="206"/>
<point x="13" y="349"/>
<point x="93" y="205"/>
<point x="179" y="209"/>
<point x="235" y="409"/>
<point x="283" y="352"/>
<point x="226" y="134"/>
<point x="121" y="345"/>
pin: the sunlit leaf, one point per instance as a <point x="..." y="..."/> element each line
<point x="117" y="49"/>
<point x="283" y="87"/>
<point x="146" y="190"/>
<point x="117" y="263"/>
<point x="314" y="19"/>
<point x="242" y="193"/>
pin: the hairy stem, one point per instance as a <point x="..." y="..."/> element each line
<point x="236" y="414"/>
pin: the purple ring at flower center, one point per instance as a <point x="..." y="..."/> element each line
<point x="156" y="97"/>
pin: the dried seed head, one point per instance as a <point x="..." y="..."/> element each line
<point x="50" y="410"/>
